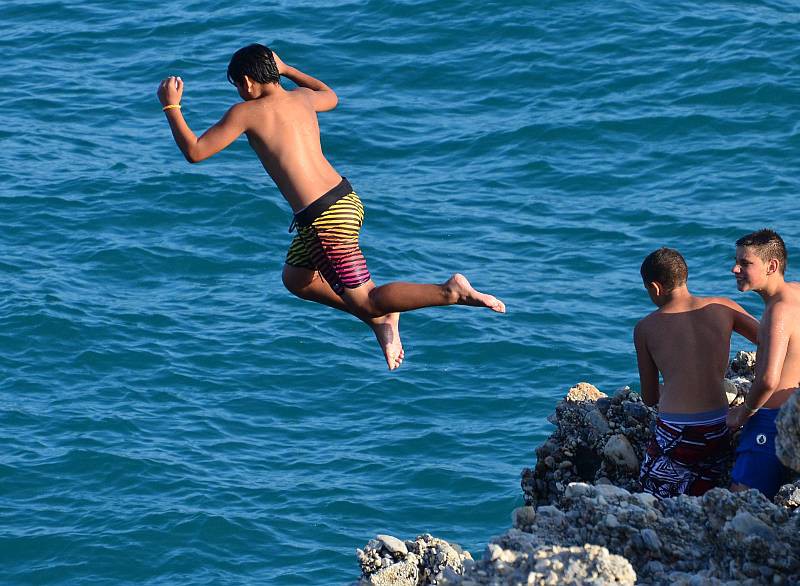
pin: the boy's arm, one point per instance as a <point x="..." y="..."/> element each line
<point x="322" y="97"/>
<point x="744" y="323"/>
<point x="772" y="347"/>
<point x="213" y="140"/>
<point x="648" y="371"/>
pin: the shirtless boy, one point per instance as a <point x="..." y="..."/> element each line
<point x="760" y="266"/>
<point x="687" y="339"/>
<point x="324" y="262"/>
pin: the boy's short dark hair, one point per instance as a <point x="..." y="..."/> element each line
<point x="665" y="266"/>
<point x="766" y="244"/>
<point x="256" y="62"/>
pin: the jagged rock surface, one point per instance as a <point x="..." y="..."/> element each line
<point x="601" y="440"/>
<point x="515" y="559"/>
<point x="427" y="560"/>
<point x="719" y="536"/>
<point x="789" y="496"/>
<point x="598" y="439"/>
<point x="583" y="522"/>
<point x="787" y="445"/>
<point x="739" y="376"/>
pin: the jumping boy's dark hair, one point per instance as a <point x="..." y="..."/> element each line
<point x="766" y="244"/>
<point x="665" y="266"/>
<point x="256" y="62"/>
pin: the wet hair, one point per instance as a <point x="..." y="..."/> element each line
<point x="666" y="266"/>
<point x="256" y="62"/>
<point x="766" y="244"/>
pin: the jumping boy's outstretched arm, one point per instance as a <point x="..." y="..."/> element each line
<point x="213" y="140"/>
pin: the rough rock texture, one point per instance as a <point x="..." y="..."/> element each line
<point x="598" y="439"/>
<point x="515" y="558"/>
<point x="719" y="536"/>
<point x="789" y="496"/>
<point x="739" y="377"/>
<point x="601" y="440"/>
<point x="388" y="561"/>
<point x="583" y="522"/>
<point x="787" y="445"/>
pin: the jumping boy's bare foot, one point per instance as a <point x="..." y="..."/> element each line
<point x="387" y="331"/>
<point x="466" y="294"/>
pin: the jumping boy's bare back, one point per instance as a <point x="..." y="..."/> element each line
<point x="282" y="128"/>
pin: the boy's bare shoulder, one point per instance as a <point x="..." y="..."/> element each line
<point x="790" y="296"/>
<point x="643" y="324"/>
<point x="725" y="301"/>
<point x="239" y="110"/>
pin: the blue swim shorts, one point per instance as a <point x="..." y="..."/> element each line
<point x="756" y="465"/>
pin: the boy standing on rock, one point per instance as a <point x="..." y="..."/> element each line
<point x="324" y="262"/>
<point x="686" y="340"/>
<point x="760" y="266"/>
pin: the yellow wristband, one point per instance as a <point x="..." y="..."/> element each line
<point x="170" y="107"/>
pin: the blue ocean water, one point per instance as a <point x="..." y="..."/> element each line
<point x="169" y="414"/>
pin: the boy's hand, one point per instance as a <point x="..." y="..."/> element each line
<point x="279" y="63"/>
<point x="170" y="91"/>
<point x="737" y="417"/>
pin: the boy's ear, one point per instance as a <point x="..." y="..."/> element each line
<point x="248" y="82"/>
<point x="656" y="287"/>
<point x="772" y="266"/>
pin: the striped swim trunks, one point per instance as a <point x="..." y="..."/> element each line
<point x="327" y="239"/>
<point x="688" y="454"/>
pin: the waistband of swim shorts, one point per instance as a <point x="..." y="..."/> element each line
<point x="765" y="416"/>
<point x="702" y="418"/>
<point x="314" y="210"/>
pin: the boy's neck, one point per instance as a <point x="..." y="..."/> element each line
<point x="773" y="288"/>
<point x="677" y="296"/>
<point x="264" y="90"/>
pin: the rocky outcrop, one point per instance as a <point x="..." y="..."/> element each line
<point x="598" y="439"/>
<point x="719" y="538"/>
<point x="787" y="445"/>
<point x="585" y="523"/>
<point x="601" y="440"/>
<point x="516" y="558"/>
<point x="427" y="560"/>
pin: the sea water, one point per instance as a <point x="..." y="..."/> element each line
<point x="169" y="414"/>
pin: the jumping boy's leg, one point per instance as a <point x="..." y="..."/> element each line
<point x="309" y="285"/>
<point x="399" y="296"/>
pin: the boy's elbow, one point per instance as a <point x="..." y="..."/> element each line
<point x="192" y="156"/>
<point x="770" y="383"/>
<point x="329" y="101"/>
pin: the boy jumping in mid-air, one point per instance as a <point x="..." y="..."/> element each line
<point x="324" y="262"/>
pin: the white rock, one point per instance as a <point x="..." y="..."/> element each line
<point x="620" y="451"/>
<point x="399" y="574"/>
<point x="393" y="544"/>
<point x="611" y="491"/>
<point x="578" y="489"/>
